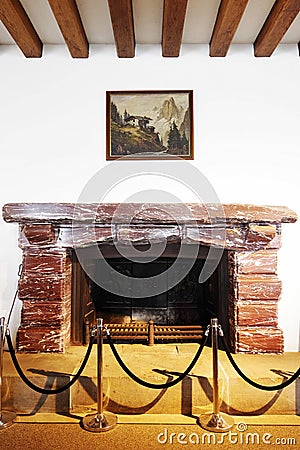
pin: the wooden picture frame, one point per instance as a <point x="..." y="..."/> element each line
<point x="149" y="125"/>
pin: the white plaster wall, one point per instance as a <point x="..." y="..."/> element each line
<point x="246" y="131"/>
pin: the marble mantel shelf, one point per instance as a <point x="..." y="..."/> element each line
<point x="155" y="213"/>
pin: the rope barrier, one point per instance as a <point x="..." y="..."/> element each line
<point x="135" y="377"/>
<point x="153" y="385"/>
<point x="248" y="380"/>
<point x="15" y="296"/>
<point x="37" y="388"/>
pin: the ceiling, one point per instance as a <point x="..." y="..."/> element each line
<point x="30" y="24"/>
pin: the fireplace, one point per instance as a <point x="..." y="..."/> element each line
<point x="59" y="298"/>
<point x="184" y="304"/>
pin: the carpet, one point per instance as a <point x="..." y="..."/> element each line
<point x="145" y="436"/>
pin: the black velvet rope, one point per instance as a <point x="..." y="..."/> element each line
<point x="42" y="390"/>
<point x="153" y="385"/>
<point x="276" y="387"/>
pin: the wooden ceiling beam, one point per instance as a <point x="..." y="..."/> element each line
<point x="172" y="28"/>
<point x="121" y="14"/>
<point x="16" y="21"/>
<point x="276" y="25"/>
<point x="229" y="16"/>
<point x="68" y="19"/>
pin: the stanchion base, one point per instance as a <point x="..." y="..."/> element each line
<point x="99" y="422"/>
<point x="218" y="423"/>
<point x="6" y="419"/>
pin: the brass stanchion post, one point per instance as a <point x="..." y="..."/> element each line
<point x="216" y="421"/>
<point x="99" y="422"/>
<point x="150" y="333"/>
<point x="6" y="417"/>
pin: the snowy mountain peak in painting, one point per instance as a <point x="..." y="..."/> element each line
<point x="165" y="115"/>
<point x="170" y="111"/>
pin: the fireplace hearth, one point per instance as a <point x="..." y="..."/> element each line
<point x="59" y="298"/>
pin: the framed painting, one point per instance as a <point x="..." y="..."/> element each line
<point x="149" y="125"/>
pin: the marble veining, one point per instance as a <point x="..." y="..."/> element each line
<point x="163" y="213"/>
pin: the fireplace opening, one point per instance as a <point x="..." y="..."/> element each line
<point x="184" y="304"/>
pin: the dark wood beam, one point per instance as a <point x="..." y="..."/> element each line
<point x="276" y="25"/>
<point x="14" y="18"/>
<point x="68" y="19"/>
<point x="229" y="16"/>
<point x="172" y="29"/>
<point x="121" y="15"/>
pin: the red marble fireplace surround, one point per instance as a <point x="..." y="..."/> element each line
<point x="49" y="231"/>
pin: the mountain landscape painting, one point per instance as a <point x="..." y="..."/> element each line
<point x="149" y="124"/>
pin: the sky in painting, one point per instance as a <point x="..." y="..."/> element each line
<point x="143" y="104"/>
